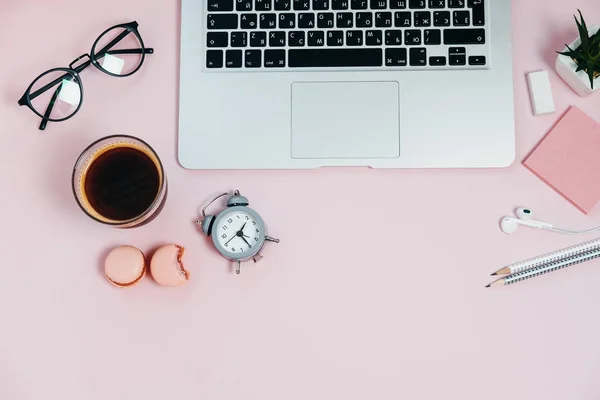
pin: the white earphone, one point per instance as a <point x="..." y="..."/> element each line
<point x="510" y="224"/>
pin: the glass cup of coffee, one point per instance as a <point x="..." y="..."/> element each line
<point x="120" y="181"/>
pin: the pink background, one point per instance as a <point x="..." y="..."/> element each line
<point x="376" y="290"/>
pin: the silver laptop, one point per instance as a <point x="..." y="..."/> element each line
<point x="281" y="84"/>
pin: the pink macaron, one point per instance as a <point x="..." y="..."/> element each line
<point x="125" y="266"/>
<point x="167" y="268"/>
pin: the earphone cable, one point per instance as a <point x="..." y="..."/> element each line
<point x="566" y="231"/>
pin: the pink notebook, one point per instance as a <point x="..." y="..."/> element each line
<point x="568" y="159"/>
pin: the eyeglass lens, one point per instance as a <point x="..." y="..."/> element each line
<point x="118" y="51"/>
<point x="61" y="98"/>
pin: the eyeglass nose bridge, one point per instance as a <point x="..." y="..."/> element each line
<point x="83" y="65"/>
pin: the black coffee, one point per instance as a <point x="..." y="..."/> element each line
<point x="122" y="183"/>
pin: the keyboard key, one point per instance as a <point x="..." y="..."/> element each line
<point x="243" y="5"/>
<point x="301" y="5"/>
<point x="396" y="57"/>
<point x="233" y="59"/>
<point x="239" y="39"/>
<point x="383" y="19"/>
<point x="296" y="39"/>
<point x="344" y="20"/>
<point x="364" y="20"/>
<point x="458" y="59"/>
<point x="320" y="5"/>
<point x="335" y="38"/>
<point x="374" y="38"/>
<point x="217" y="39"/>
<point x="378" y="4"/>
<point x="441" y="18"/>
<point x="316" y="38"/>
<point x="437" y="3"/>
<point x="339" y="4"/>
<point x="456" y="3"/>
<point x="276" y="39"/>
<point x="325" y="20"/>
<point x="422" y="18"/>
<point x="222" y="21"/>
<point x="262" y="5"/>
<point x="478" y="12"/>
<point x="462" y="18"/>
<point x="214" y="59"/>
<point x="418" y="56"/>
<point x="306" y="20"/>
<point x="402" y="19"/>
<point x="252" y="58"/>
<point x="398" y="4"/>
<point x="274" y="58"/>
<point x="393" y="38"/>
<point x="283" y="5"/>
<point x="219" y="5"/>
<point x="417" y="3"/>
<point x="248" y="21"/>
<point x="437" y="61"/>
<point x="287" y="21"/>
<point x="464" y="36"/>
<point x="412" y="37"/>
<point x="358" y="4"/>
<point x="354" y="38"/>
<point x="433" y="37"/>
<point x="363" y="57"/>
<point x="268" y="21"/>
<point x="477" y="60"/>
<point x="457" y="50"/>
<point x="258" y="39"/>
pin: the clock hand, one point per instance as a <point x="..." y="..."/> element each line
<point x="239" y="233"/>
<point x="244" y="239"/>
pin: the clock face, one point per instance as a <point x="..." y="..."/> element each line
<point x="239" y="234"/>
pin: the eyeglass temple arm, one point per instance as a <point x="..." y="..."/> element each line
<point x="49" y="109"/>
<point x="125" y="51"/>
<point x="112" y="43"/>
<point x="131" y="51"/>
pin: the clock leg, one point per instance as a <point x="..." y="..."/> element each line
<point x="238" y="267"/>
<point x="271" y="239"/>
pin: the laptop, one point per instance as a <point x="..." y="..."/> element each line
<point x="303" y="84"/>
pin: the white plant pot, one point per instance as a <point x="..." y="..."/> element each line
<point x="579" y="81"/>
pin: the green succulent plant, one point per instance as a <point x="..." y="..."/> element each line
<point x="587" y="55"/>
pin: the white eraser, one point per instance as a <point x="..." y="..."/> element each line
<point x="113" y="64"/>
<point x="541" y="93"/>
<point x="70" y="92"/>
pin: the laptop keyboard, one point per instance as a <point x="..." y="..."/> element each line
<point x="346" y="34"/>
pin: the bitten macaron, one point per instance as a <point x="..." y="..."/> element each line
<point x="125" y="266"/>
<point x="167" y="268"/>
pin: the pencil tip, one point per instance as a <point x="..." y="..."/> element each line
<point x="489" y="285"/>
<point x="494" y="274"/>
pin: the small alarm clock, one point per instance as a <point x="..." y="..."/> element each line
<point x="238" y="232"/>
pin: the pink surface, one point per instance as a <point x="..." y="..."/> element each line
<point x="376" y="290"/>
<point x="568" y="159"/>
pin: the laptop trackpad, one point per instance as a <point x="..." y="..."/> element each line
<point x="345" y="120"/>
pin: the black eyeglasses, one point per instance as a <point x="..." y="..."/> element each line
<point x="118" y="51"/>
